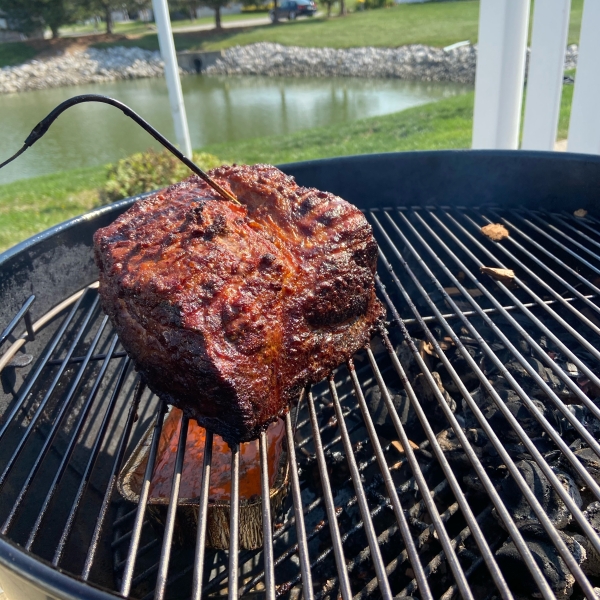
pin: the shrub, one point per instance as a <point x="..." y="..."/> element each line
<point x="147" y="171"/>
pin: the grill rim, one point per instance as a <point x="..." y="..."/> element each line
<point x="48" y="579"/>
<point x="41" y="575"/>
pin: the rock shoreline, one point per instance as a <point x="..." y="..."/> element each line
<point x="76" y="68"/>
<point x="415" y="62"/>
<point x="407" y="62"/>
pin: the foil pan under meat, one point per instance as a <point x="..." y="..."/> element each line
<point x="217" y="531"/>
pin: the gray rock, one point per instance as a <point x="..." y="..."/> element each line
<point x="89" y="66"/>
<point x="418" y="62"/>
<point x="95" y="65"/>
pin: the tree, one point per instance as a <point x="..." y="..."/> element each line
<point x="192" y="7"/>
<point x="105" y="8"/>
<point x="216" y="5"/>
<point x="188" y="7"/>
<point x="31" y="17"/>
<point x="329" y="4"/>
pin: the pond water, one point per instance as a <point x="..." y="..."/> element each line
<point x="219" y="109"/>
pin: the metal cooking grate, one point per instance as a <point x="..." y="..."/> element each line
<point x="456" y="456"/>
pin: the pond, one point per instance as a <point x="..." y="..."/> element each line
<point x="219" y="109"/>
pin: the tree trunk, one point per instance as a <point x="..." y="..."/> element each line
<point x="218" y="17"/>
<point x="328" y="10"/>
<point x="108" y="17"/>
<point x="276" y="19"/>
<point x="54" y="29"/>
<point x="342" y="8"/>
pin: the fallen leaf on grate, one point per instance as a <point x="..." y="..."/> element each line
<point x="580" y="212"/>
<point x="446" y="343"/>
<point x="495" y="231"/>
<point x="400" y="447"/>
<point x="503" y="275"/>
<point x="454" y="291"/>
<point x="426" y="349"/>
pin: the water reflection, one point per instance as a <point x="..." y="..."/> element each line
<point x="219" y="109"/>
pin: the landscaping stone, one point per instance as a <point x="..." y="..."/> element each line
<point x="414" y="62"/>
<point x="89" y="66"/>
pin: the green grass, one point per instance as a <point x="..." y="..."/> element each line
<point x="15" y="53"/>
<point x="32" y="205"/>
<point x="434" y="23"/>
<point x="575" y="21"/>
<point x="565" y="112"/>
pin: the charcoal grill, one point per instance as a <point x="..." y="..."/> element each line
<point x="457" y="455"/>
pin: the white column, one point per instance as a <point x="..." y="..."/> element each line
<point x="167" y="51"/>
<point x="501" y="54"/>
<point x="584" y="127"/>
<point x="545" y="76"/>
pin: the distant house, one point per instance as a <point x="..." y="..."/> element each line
<point x="125" y="16"/>
<point x="6" y="34"/>
<point x="10" y="35"/>
<point x="145" y="15"/>
<point x="120" y="16"/>
<point x="234" y="8"/>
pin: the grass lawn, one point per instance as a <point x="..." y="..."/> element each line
<point x="15" y="53"/>
<point x="32" y="205"/>
<point x="434" y="23"/>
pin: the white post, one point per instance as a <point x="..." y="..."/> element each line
<point x="584" y="127"/>
<point x="167" y="50"/>
<point x="501" y="55"/>
<point x="545" y="76"/>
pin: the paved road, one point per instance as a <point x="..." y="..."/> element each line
<point x="224" y="24"/>
<point x="200" y="27"/>
<point x="189" y="28"/>
<point x="229" y="24"/>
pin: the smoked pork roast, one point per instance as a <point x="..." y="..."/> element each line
<point x="229" y="310"/>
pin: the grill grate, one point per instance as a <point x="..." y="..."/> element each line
<point x="407" y="465"/>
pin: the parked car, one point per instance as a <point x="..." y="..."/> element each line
<point x="290" y="9"/>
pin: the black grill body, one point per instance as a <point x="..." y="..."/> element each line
<point x="412" y="463"/>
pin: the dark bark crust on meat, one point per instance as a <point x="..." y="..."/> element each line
<point x="229" y="311"/>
